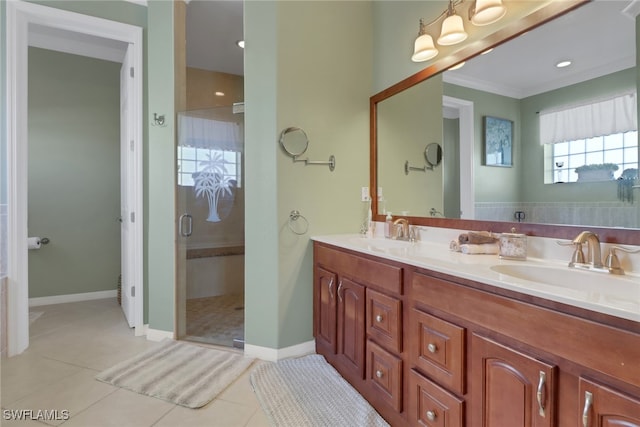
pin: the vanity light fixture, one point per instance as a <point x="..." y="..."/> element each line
<point x="485" y="12"/>
<point x="424" y="49"/>
<point x="482" y="12"/>
<point x="452" y="31"/>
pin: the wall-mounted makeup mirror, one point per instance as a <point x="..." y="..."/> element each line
<point x="433" y="154"/>
<point x="294" y="142"/>
<point x="506" y="188"/>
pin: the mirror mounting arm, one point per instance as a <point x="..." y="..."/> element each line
<point x="331" y="162"/>
<point x="408" y="168"/>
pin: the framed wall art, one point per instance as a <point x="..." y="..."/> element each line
<point x="498" y="142"/>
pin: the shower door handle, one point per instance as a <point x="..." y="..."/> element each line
<point x="185" y="231"/>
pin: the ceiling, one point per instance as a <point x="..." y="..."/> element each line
<point x="599" y="38"/>
<point x="213" y="28"/>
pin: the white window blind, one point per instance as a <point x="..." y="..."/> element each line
<point x="617" y="114"/>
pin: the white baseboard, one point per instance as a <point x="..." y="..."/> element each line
<point x="62" y="299"/>
<point x="273" y="355"/>
<point x="157" y="334"/>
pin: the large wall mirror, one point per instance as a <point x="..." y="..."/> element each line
<point x="495" y="173"/>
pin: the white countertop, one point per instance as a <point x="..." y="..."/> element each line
<point x="600" y="292"/>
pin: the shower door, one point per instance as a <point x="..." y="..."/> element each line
<point x="210" y="193"/>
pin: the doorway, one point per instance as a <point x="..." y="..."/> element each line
<point x="210" y="193"/>
<point x="31" y="24"/>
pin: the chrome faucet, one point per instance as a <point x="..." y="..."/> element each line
<point x="594" y="256"/>
<point x="401" y="229"/>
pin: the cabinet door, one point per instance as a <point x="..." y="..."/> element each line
<point x="351" y="321"/>
<point x="604" y="407"/>
<point x="516" y="389"/>
<point x="324" y="307"/>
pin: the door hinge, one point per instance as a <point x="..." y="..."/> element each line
<point x="131" y="71"/>
<point x="133" y="292"/>
<point x="133" y="217"/>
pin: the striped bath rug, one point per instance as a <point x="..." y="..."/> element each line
<point x="308" y="392"/>
<point x="185" y="374"/>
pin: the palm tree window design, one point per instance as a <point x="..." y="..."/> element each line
<point x="213" y="181"/>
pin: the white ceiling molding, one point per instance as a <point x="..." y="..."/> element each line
<point x="632" y="10"/>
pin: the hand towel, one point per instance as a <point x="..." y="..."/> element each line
<point x="485" y="248"/>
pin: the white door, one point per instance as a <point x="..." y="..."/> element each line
<point x="127" y="214"/>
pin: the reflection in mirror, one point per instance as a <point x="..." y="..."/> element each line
<point x="433" y="154"/>
<point x="517" y="81"/>
<point x="294" y="141"/>
<point x="405" y="124"/>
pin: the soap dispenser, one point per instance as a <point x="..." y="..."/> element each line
<point x="388" y="225"/>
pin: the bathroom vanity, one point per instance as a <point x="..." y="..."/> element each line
<point x="435" y="338"/>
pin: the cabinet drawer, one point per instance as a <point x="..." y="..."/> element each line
<point x="431" y="405"/>
<point x="384" y="320"/>
<point x="368" y="272"/>
<point x="384" y="373"/>
<point x="438" y="349"/>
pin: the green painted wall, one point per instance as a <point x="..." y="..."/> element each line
<point x="299" y="71"/>
<point x="492" y="184"/>
<point x="160" y="168"/>
<point x="74" y="173"/>
<point x="159" y="157"/>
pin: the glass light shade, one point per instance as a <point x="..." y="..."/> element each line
<point x="487" y="12"/>
<point x="424" y="49"/>
<point x="452" y="31"/>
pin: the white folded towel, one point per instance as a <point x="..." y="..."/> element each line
<point x="485" y="248"/>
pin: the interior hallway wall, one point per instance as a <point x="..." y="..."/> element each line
<point x="74" y="173"/>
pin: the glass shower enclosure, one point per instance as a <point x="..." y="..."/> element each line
<point x="210" y="231"/>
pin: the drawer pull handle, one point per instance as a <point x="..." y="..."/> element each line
<point x="379" y="373"/>
<point x="540" y="393"/>
<point x="379" y="318"/>
<point x="331" y="288"/>
<point x="431" y="415"/>
<point x="339" y="289"/>
<point x="432" y="348"/>
<point x="588" y="401"/>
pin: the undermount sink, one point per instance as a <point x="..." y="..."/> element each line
<point x="598" y="287"/>
<point x="556" y="276"/>
<point x="380" y="244"/>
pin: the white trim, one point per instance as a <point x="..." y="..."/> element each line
<point x="63" y="299"/>
<point x="273" y="355"/>
<point x="467" y="146"/>
<point x="156" y="334"/>
<point x="20" y="16"/>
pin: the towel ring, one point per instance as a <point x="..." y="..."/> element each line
<point x="293" y="217"/>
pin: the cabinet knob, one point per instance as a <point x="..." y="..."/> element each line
<point x="432" y="348"/>
<point x="379" y="318"/>
<point x="379" y="373"/>
<point x="431" y="415"/>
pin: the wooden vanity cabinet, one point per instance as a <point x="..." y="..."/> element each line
<point x="358" y="321"/>
<point x="433" y="350"/>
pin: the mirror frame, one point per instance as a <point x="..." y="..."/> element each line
<point x="508" y="32"/>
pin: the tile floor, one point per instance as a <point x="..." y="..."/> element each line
<point x="70" y="344"/>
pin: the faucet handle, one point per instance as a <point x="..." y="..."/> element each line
<point x="613" y="263"/>
<point x="578" y="255"/>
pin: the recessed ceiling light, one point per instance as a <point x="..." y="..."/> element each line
<point x="219" y="93"/>
<point x="240" y="43"/>
<point x="563" y="64"/>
